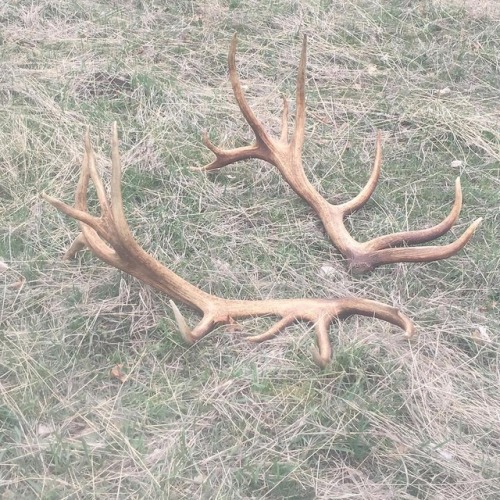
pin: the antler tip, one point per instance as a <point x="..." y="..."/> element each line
<point x="86" y="140"/>
<point x="114" y="132"/>
<point x="54" y="201"/>
<point x="208" y="143"/>
<point x="407" y="325"/>
<point x="319" y="359"/>
<point x="477" y="223"/>
<point x="182" y="324"/>
<point x="304" y="49"/>
<point x="234" y="42"/>
<point x="79" y="243"/>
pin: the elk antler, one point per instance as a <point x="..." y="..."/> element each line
<point x="286" y="156"/>
<point x="110" y="239"/>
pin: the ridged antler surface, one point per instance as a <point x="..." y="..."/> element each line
<point x="286" y="156"/>
<point x="110" y="239"/>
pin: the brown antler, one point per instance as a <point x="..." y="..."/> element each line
<point x="110" y="239"/>
<point x="286" y="156"/>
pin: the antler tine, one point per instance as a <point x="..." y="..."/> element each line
<point x="229" y="156"/>
<point x="284" y="122"/>
<point x="70" y="211"/>
<point x="120" y="222"/>
<point x="79" y="212"/>
<point x="286" y="157"/>
<point x="322" y="354"/>
<point x="96" y="178"/>
<point x="300" y="110"/>
<point x="79" y="243"/>
<point x="364" y="195"/>
<point x="273" y="331"/>
<point x="259" y="130"/>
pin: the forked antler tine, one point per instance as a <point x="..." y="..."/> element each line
<point x="117" y="231"/>
<point x="264" y="146"/>
<point x="323" y="316"/>
<point x="422" y="235"/>
<point x="225" y="157"/>
<point x="425" y="254"/>
<point x="364" y="195"/>
<point x="300" y="110"/>
<point x="93" y="233"/>
<point x="343" y="308"/>
<point x="322" y="354"/>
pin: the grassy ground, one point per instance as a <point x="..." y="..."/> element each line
<point x="225" y="419"/>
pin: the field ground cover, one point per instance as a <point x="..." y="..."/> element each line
<point x="224" y="419"/>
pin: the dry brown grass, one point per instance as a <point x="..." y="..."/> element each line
<point x="225" y="419"/>
<point x="477" y="8"/>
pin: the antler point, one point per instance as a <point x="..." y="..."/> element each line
<point x="318" y="359"/>
<point x="182" y="324"/>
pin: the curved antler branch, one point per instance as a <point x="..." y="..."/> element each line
<point x="286" y="157"/>
<point x="109" y="238"/>
<point x="423" y="235"/>
<point x="364" y="195"/>
<point x="259" y="130"/>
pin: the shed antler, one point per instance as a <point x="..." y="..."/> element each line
<point x="110" y="239"/>
<point x="286" y="156"/>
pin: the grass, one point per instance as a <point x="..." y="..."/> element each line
<point x="226" y="419"/>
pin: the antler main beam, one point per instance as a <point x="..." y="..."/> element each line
<point x="110" y="239"/>
<point x="286" y="156"/>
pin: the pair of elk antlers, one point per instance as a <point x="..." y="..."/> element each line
<point x="109" y="237"/>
